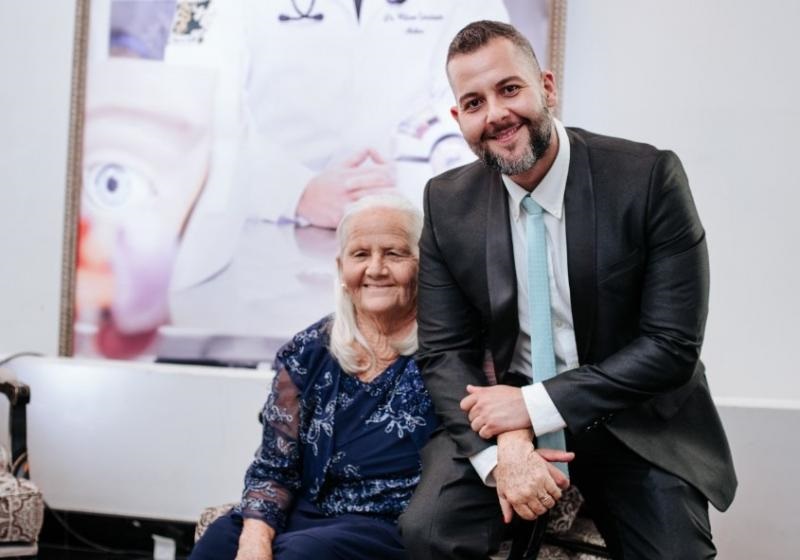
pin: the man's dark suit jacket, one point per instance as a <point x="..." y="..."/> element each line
<point x="638" y="276"/>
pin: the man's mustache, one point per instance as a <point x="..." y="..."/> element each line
<point x="494" y="130"/>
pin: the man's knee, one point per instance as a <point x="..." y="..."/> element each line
<point x="443" y="530"/>
<point x="415" y="527"/>
<point x="452" y="513"/>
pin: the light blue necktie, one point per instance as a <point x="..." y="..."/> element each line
<point x="543" y="358"/>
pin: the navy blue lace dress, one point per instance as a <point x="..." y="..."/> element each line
<point x="339" y="458"/>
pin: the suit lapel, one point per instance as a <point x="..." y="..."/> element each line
<point x="500" y="276"/>
<point x="581" y="239"/>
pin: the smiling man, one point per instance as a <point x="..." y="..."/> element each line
<point x="563" y="292"/>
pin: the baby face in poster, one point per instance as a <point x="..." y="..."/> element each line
<point x="147" y="149"/>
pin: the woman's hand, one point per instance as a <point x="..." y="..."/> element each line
<point x="255" y="542"/>
<point x="526" y="482"/>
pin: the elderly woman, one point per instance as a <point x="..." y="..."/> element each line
<point x="347" y="415"/>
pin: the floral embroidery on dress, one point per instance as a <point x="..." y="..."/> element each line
<point x="352" y="471"/>
<point x="273" y="413"/>
<point x="321" y="414"/>
<point x="290" y="355"/>
<point x="404" y="399"/>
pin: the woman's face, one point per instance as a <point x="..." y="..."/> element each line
<point x="377" y="264"/>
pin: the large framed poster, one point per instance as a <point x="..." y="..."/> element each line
<point x="215" y="144"/>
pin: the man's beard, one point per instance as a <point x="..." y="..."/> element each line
<point x="539" y="132"/>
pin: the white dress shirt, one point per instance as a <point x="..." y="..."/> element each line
<point x="549" y="194"/>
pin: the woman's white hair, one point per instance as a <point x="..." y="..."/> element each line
<point x="347" y="343"/>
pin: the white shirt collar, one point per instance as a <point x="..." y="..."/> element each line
<point x="549" y="193"/>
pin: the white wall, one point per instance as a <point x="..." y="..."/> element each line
<point x="717" y="82"/>
<point x="714" y="80"/>
<point x="36" y="64"/>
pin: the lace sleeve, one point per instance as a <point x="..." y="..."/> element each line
<point x="274" y="475"/>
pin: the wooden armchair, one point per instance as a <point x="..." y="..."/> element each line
<point x="21" y="503"/>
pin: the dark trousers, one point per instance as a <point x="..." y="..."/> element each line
<point x="642" y="511"/>
<point x="308" y="534"/>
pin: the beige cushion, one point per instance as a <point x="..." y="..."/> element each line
<point x="583" y="530"/>
<point x="563" y="514"/>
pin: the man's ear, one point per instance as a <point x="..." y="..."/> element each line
<point x="550" y="89"/>
<point x="454" y="112"/>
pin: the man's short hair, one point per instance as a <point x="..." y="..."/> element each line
<point x="478" y="33"/>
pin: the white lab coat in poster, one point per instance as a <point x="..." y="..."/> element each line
<point x="299" y="94"/>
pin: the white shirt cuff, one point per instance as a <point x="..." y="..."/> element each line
<point x="484" y="463"/>
<point x="545" y="417"/>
